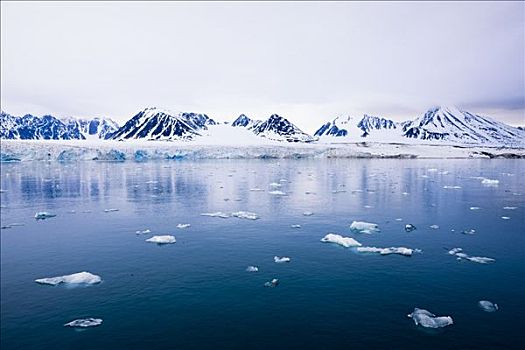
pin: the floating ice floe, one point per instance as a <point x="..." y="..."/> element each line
<point x="181" y="226"/>
<point x="256" y="189"/>
<point x="308" y="213"/>
<point x="283" y="259"/>
<point x="245" y="215"/>
<point x="252" y="269"/>
<point x="458" y="252"/>
<point x="275" y="184"/>
<point x="277" y="193"/>
<point x="368" y="206"/>
<point x="76" y="278"/>
<point x="434" y="227"/>
<point x="364" y="227"/>
<point x="452" y="187"/>
<point x="468" y="232"/>
<point x="510" y="208"/>
<point x="410" y="227"/>
<point x="41" y="215"/>
<point x="139" y="232"/>
<point x="427" y="319"/>
<point x="505" y="217"/>
<point x="338" y="239"/>
<point x="273" y="283"/>
<point x="164" y="239"/>
<point x="110" y="210"/>
<point x="218" y="214"/>
<point x="84" y="323"/>
<point x="490" y="182"/>
<point x="432" y="170"/>
<point x="386" y="251"/>
<point x="399" y="219"/>
<point x="488" y="306"/>
<point x="295" y="226"/>
<point x="475" y="208"/>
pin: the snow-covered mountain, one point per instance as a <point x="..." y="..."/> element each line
<point x="352" y="127"/>
<point x="160" y="124"/>
<point x="246" y="122"/>
<point x="280" y="129"/>
<point x="30" y="127"/>
<point x="447" y="125"/>
<point x="458" y="126"/>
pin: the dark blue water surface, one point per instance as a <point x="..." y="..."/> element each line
<point x="196" y="294"/>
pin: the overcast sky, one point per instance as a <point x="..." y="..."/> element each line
<point x="306" y="61"/>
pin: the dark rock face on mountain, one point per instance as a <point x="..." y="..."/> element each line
<point x="279" y="128"/>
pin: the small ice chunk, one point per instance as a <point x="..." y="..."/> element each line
<point x="475" y="208"/>
<point x="164" y="239"/>
<point x="409" y="227"/>
<point x="490" y="182"/>
<point x="338" y="239"/>
<point x="399" y="219"/>
<point x="277" y="193"/>
<point x="452" y="187"/>
<point x="510" y="208"/>
<point x="273" y="283"/>
<point x="434" y="227"/>
<point x="364" y="227"/>
<point x="308" y="213"/>
<point x="143" y="231"/>
<point x="110" y="210"/>
<point x="458" y="252"/>
<point x="256" y="189"/>
<point x="427" y="319"/>
<point x="76" y="278"/>
<point x="368" y="206"/>
<point x="505" y="217"/>
<point x="41" y="215"/>
<point x="275" y="184"/>
<point x="386" y="251"/>
<point x="245" y="215"/>
<point x="280" y="260"/>
<point x="252" y="269"/>
<point x="218" y="214"/>
<point x="454" y="251"/>
<point x="468" y="232"/>
<point x="488" y="306"/>
<point x="84" y="322"/>
<point x="295" y="226"/>
<point x="181" y="226"/>
<point x="431" y="170"/>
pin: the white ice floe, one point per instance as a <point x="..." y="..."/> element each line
<point x="283" y="259"/>
<point x="410" y="228"/>
<point x="308" y="213"/>
<point x="386" y="251"/>
<point x="468" y="232"/>
<point x="252" y="269"/>
<point x="399" y="219"/>
<point x="505" y="217"/>
<point x="76" y="278"/>
<point x="488" y="306"/>
<point x="277" y="193"/>
<point x="139" y="232"/>
<point x="84" y="322"/>
<point x="41" y="215"/>
<point x="273" y="283"/>
<point x="338" y="239"/>
<point x="490" y="182"/>
<point x="458" y="252"/>
<point x="218" y="214"/>
<point x="164" y="239"/>
<point x="510" y="208"/>
<point x="434" y="227"/>
<point x="452" y="187"/>
<point x="245" y="215"/>
<point x="181" y="226"/>
<point x="275" y="184"/>
<point x="427" y="319"/>
<point x="256" y="189"/>
<point x="110" y="210"/>
<point x="475" y="208"/>
<point x="364" y="227"/>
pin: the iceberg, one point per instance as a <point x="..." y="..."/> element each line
<point x="218" y="214"/>
<point x="181" y="226"/>
<point x="427" y="319"/>
<point x="76" y="278"/>
<point x="273" y="283"/>
<point x="409" y="227"/>
<point x="281" y="260"/>
<point x="245" y="215"/>
<point x="386" y="251"/>
<point x="41" y="215"/>
<point x="165" y="239"/>
<point x="84" y="322"/>
<point x="488" y="306"/>
<point x="364" y="227"/>
<point x="252" y="269"/>
<point x="489" y="182"/>
<point x="338" y="239"/>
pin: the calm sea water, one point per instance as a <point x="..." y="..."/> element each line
<point x="196" y="294"/>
